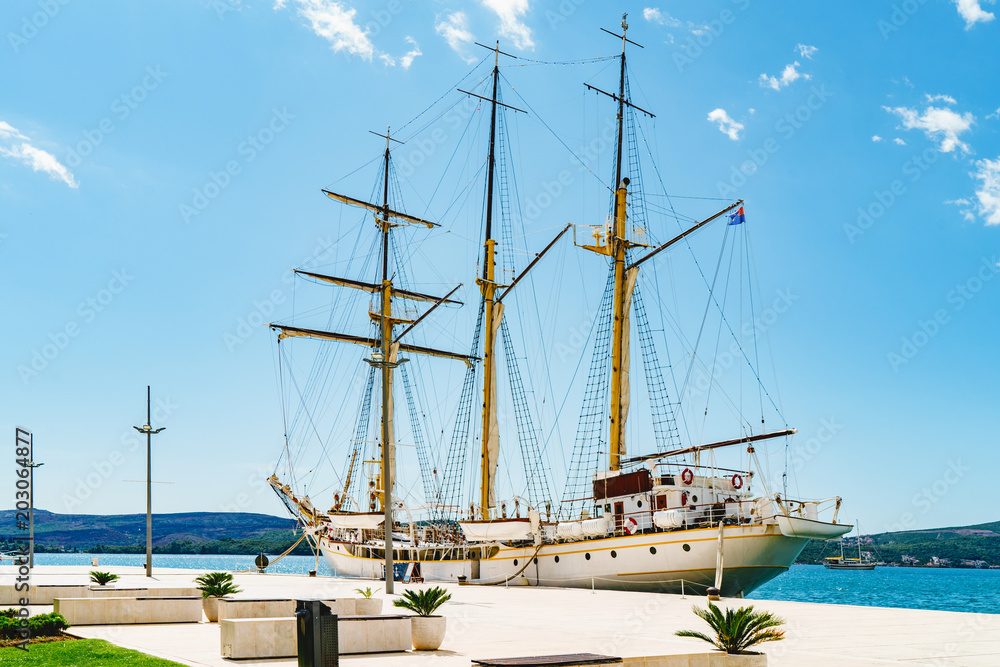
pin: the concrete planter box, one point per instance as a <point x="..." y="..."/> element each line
<point x="367" y="606"/>
<point x="427" y="632"/>
<point x="126" y="611"/>
<point x="255" y="608"/>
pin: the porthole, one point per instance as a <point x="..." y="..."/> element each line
<point x="687" y="547"/>
<point x="652" y="550"/>
<point x="694" y="499"/>
<point x="536" y="561"/>
<point x="614" y="554"/>
<point x="557" y="559"/>
<point x="587" y="556"/>
<point x="638" y="504"/>
<point x="515" y="562"/>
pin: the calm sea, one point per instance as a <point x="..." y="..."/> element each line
<point x="944" y="589"/>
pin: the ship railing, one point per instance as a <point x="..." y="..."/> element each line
<point x="730" y="511"/>
<point x="793" y="507"/>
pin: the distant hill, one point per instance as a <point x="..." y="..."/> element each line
<point x="85" y="531"/>
<point x="955" y="544"/>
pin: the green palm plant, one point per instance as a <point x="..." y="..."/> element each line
<point x="216" y="585"/>
<point x="423" y="602"/>
<point x="367" y="593"/>
<point x="102" y="578"/>
<point x="737" y="630"/>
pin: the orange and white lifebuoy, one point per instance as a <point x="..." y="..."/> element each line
<point x="687" y="476"/>
<point x="737" y="481"/>
<point x="631" y="525"/>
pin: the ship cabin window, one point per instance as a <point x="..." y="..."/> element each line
<point x="667" y="480"/>
<point x="638" y="503"/>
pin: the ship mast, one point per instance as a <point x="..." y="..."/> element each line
<point x="615" y="247"/>
<point x="387" y="451"/>
<point x="388" y="347"/>
<point x="488" y="286"/>
<point x="492" y="309"/>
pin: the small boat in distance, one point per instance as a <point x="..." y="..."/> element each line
<point x="862" y="562"/>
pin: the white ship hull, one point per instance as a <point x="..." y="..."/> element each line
<point x="652" y="562"/>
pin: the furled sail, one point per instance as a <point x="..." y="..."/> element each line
<point x="630" y="277"/>
<point x="493" y="437"/>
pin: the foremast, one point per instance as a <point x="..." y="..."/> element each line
<point x="493" y="313"/>
<point x="387" y="346"/>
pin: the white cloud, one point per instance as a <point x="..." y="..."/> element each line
<point x="966" y="208"/>
<point x="898" y="142"/>
<point x="806" y="51"/>
<point x="876" y="138"/>
<point x="938" y="124"/>
<point x="510" y="12"/>
<point x="654" y="15"/>
<point x="988" y="191"/>
<point x="407" y="60"/>
<point x="39" y="160"/>
<point x="455" y="30"/>
<point x="8" y="131"/>
<point x="995" y="114"/>
<point x="789" y="75"/>
<point x="947" y="99"/>
<point x="972" y="12"/>
<point x="334" y="22"/>
<point x="727" y="125"/>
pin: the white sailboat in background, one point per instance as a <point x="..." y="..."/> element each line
<point x="665" y="519"/>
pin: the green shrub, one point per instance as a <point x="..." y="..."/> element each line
<point x="47" y="625"/>
<point x="43" y="625"/>
<point x="425" y="602"/>
<point x="216" y="585"/>
<point x="9" y="627"/>
<point x="102" y="578"/>
<point x="736" y="630"/>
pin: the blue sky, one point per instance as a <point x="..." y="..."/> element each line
<point x="160" y="166"/>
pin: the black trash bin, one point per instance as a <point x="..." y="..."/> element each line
<point x="316" y="634"/>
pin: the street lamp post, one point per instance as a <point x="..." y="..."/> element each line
<point x="31" y="498"/>
<point x="148" y="430"/>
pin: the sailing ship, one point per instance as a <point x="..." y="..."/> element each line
<point x="667" y="520"/>
<point x="862" y="562"/>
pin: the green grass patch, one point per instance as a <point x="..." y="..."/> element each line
<point x="79" y="653"/>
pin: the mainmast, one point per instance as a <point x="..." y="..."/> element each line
<point x="615" y="247"/>
<point x="492" y="309"/>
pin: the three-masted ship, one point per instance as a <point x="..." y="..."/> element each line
<point x="666" y="520"/>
